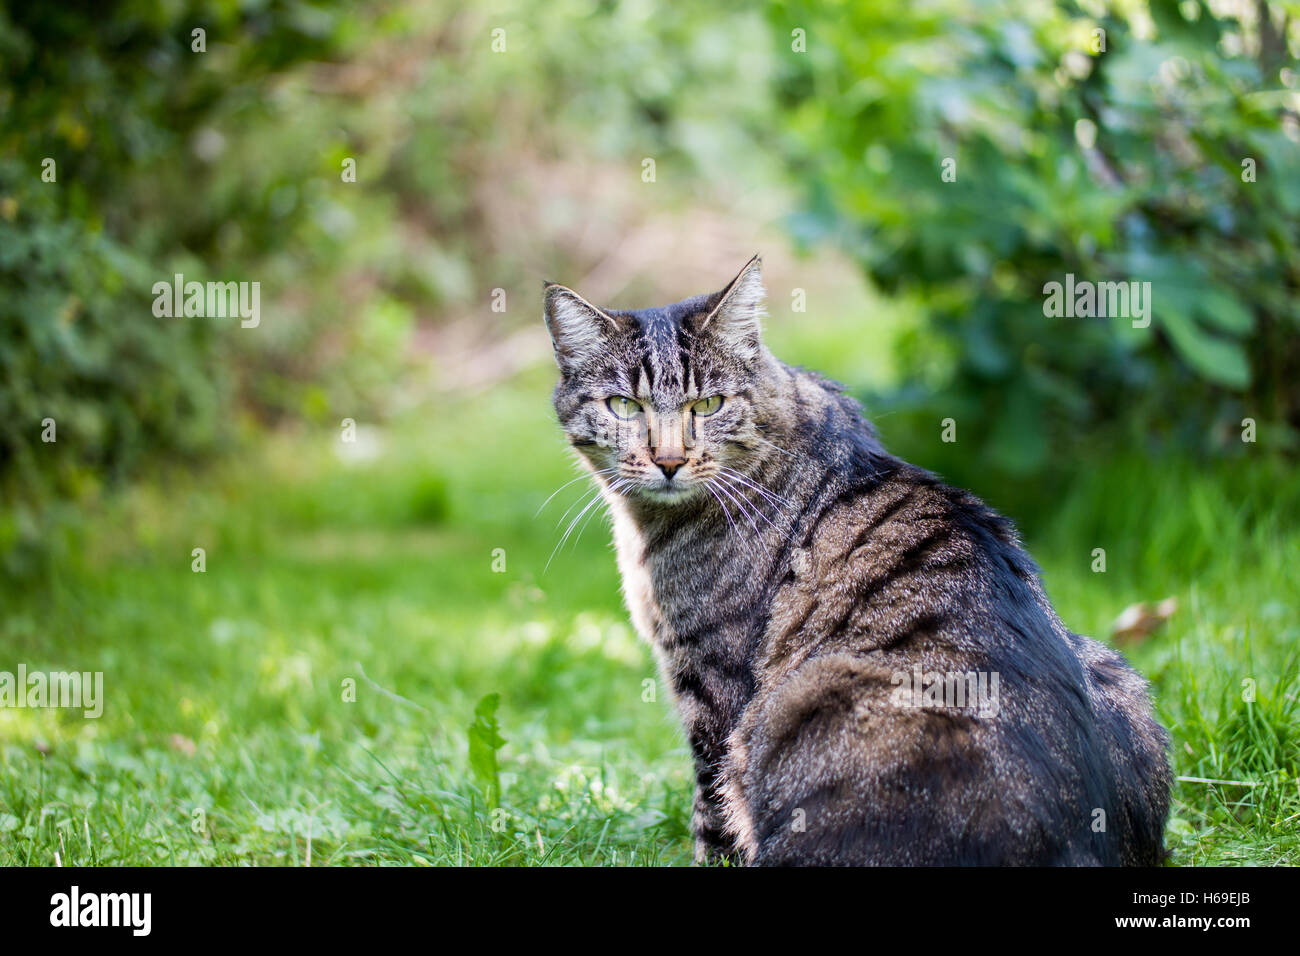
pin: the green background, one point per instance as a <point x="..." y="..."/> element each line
<point x="322" y="691"/>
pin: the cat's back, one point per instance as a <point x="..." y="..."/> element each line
<point x="889" y="558"/>
<point x="912" y="676"/>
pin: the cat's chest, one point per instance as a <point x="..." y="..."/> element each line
<point x="638" y="584"/>
<point x="690" y="587"/>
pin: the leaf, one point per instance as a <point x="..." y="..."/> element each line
<point x="1213" y="358"/>
<point x="484" y="741"/>
<point x="1139" y="621"/>
<point x="1223" y="310"/>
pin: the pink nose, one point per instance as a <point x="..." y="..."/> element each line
<point x="669" y="466"/>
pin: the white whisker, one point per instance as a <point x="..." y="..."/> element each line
<point x="774" y="445"/>
<point x="740" y="538"/>
<point x="614" y="487"/>
<point x="723" y="478"/>
<point x="770" y="495"/>
<point x="723" y="487"/>
<point x="708" y="484"/>
<point x="596" y="499"/>
<point x="585" y="474"/>
<point x="583" y="498"/>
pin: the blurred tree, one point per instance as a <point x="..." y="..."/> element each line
<point x="1153" y="142"/>
<point x="223" y="160"/>
<point x="100" y="102"/>
<point x="370" y="165"/>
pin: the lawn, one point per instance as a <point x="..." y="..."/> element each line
<point x="309" y="697"/>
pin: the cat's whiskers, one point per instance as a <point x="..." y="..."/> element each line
<point x="757" y="510"/>
<point x="585" y="474"/>
<point x="713" y="489"/>
<point x="604" y="500"/>
<point x="598" y="497"/>
<point x="775" y="499"/>
<point x="583" y="498"/>
<point x="776" y="447"/>
<point x="740" y="506"/>
<point x="708" y="484"/>
<point x="727" y="490"/>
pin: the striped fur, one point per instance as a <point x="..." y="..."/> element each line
<point x="792" y="573"/>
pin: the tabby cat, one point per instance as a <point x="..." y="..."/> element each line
<point x="866" y="664"/>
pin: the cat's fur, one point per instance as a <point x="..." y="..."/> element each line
<point x="791" y="597"/>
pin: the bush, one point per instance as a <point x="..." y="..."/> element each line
<point x="225" y="165"/>
<point x="1127" y="164"/>
<point x="97" y="204"/>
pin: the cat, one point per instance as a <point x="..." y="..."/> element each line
<point x="864" y="659"/>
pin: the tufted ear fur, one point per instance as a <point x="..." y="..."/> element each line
<point x="578" y="329"/>
<point x="736" y="321"/>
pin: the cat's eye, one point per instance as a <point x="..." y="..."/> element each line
<point x="707" y="406"/>
<point x="622" y="406"/>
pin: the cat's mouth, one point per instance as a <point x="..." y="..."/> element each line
<point x="667" y="491"/>
<point x="663" y="490"/>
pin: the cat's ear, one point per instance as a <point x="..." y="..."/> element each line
<point x="578" y="329"/>
<point x="736" y="320"/>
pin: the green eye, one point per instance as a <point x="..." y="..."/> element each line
<point x="623" y="407"/>
<point x="707" y="406"/>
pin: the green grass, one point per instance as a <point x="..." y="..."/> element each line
<point x="226" y="737"/>
<point x="1224" y="539"/>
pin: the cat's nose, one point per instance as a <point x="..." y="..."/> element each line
<point x="668" y="465"/>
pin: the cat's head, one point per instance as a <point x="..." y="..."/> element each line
<point x="661" y="401"/>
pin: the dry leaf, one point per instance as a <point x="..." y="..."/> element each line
<point x="182" y="744"/>
<point x="1139" y="621"/>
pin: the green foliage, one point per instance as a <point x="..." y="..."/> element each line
<point x="1220" y="537"/>
<point x="225" y="165"/>
<point x="253" y="652"/>
<point x="1127" y="164"/>
<point x="101" y="105"/>
<point x="1261" y="735"/>
<point x="484" y="741"/>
